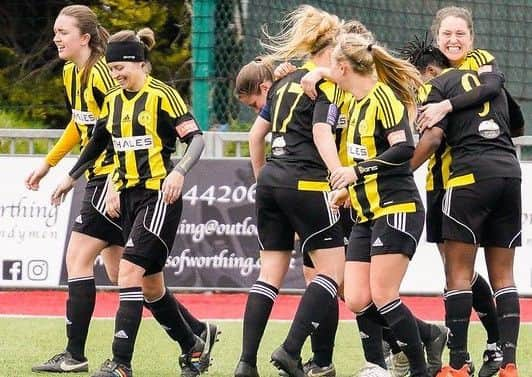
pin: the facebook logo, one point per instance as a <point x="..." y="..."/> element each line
<point x="12" y="270"/>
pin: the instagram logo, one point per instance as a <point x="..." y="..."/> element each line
<point x="37" y="270"/>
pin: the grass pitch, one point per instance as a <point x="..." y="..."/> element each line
<point x="28" y="341"/>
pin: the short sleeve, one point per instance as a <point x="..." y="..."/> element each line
<point x="328" y="102"/>
<point x="391" y="112"/>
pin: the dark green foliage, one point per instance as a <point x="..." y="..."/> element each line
<point x="30" y="72"/>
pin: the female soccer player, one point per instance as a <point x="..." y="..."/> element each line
<point x="483" y="157"/>
<point x="252" y="85"/>
<point x="81" y="41"/>
<point x="384" y="195"/>
<point x="453" y="30"/>
<point x="143" y="117"/>
<point x="292" y="190"/>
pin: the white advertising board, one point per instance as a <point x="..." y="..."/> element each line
<point x="32" y="231"/>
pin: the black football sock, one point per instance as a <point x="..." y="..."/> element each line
<point x="166" y="311"/>
<point x="127" y="324"/>
<point x="258" y="308"/>
<point x="425" y="332"/>
<point x="458" y="304"/>
<point x="404" y="327"/>
<point x="508" y="311"/>
<point x="485" y="307"/>
<point x="322" y="339"/>
<point x="370" y="332"/>
<point x="388" y="336"/>
<point x="195" y="324"/>
<point x="79" y="309"/>
<point x="317" y="300"/>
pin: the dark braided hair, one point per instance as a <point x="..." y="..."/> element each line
<point x="422" y="52"/>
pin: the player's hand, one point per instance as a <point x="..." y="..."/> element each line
<point x="60" y="192"/>
<point x="33" y="179"/>
<point x="309" y="81"/>
<point x="172" y="186"/>
<point x="112" y="201"/>
<point x="430" y="114"/>
<point x="342" y="177"/>
<point x="347" y="202"/>
<point x="338" y="198"/>
<point x="283" y="69"/>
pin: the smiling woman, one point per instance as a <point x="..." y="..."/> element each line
<point x="454" y="32"/>
<point x="81" y="42"/>
<point x="144" y="118"/>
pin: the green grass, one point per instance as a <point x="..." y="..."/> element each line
<point x="27" y="341"/>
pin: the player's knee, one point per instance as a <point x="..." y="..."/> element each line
<point x="356" y="302"/>
<point x="382" y="296"/>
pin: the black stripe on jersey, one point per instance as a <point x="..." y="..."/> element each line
<point x="479" y="59"/>
<point x="141" y="155"/>
<point x="177" y="105"/>
<point x="117" y="130"/>
<point x="386" y="107"/>
<point x="105" y="75"/>
<point x="72" y="94"/>
<point x="84" y="106"/>
<point x="336" y="96"/>
<point x="362" y="198"/>
<point x="114" y="89"/>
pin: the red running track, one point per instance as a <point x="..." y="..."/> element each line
<point x="213" y="306"/>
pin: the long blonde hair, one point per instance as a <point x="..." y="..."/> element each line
<point x="366" y="58"/>
<point x="305" y="32"/>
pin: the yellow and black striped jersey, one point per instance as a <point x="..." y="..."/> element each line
<point x="85" y="103"/>
<point x="475" y="59"/>
<point x="439" y="165"/>
<point x="144" y="127"/>
<point x="391" y="190"/>
<point x="341" y="131"/>
<point x="294" y="161"/>
<point x="440" y="162"/>
<point x="479" y="137"/>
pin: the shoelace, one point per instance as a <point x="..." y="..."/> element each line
<point x="55" y="358"/>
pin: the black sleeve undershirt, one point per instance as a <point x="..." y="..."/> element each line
<point x="96" y="145"/>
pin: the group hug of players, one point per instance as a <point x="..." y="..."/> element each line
<point x="338" y="179"/>
<point x="340" y="167"/>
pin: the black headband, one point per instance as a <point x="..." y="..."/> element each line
<point x="124" y="52"/>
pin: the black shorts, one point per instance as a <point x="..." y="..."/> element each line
<point x="347" y="219"/>
<point x="486" y="213"/>
<point x="434" y="215"/>
<point x="388" y="234"/>
<point x="150" y="227"/>
<point x="92" y="219"/>
<point x="282" y="212"/>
